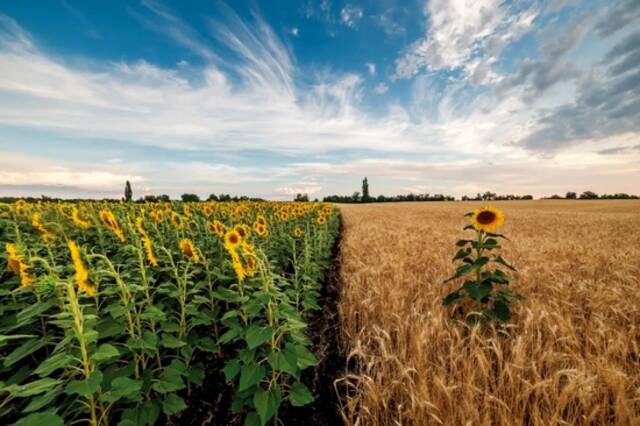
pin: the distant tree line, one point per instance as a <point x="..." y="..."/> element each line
<point x="590" y="195"/>
<point x="492" y="196"/>
<point x="194" y="198"/>
<point x="357" y="198"/>
<point x="365" y="197"/>
<point x="46" y="199"/>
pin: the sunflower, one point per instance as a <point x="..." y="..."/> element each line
<point x="207" y="210"/>
<point x="157" y="216"/>
<point x="176" y="220"/>
<point x="251" y="266"/>
<point x="232" y="240"/>
<point x="25" y="278"/>
<point x="16" y="264"/>
<point x="487" y="219"/>
<point x="189" y="250"/>
<point x="260" y="220"/>
<point x="146" y="242"/>
<point x="82" y="275"/>
<point x="248" y="248"/>
<point x="75" y="216"/>
<point x="297" y="232"/>
<point x="218" y="228"/>
<point x="36" y="221"/>
<point x="261" y="229"/>
<point x="321" y="220"/>
<point x="140" y="226"/>
<point x="13" y="263"/>
<point x="242" y="230"/>
<point x="148" y="246"/>
<point x="21" y="206"/>
<point x="107" y="217"/>
<point x="237" y="266"/>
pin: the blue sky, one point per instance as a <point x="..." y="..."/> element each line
<point x="273" y="98"/>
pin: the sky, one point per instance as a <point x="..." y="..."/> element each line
<point x="274" y="98"/>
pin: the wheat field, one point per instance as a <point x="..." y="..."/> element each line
<point x="573" y="354"/>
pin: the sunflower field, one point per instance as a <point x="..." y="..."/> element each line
<point x="112" y="313"/>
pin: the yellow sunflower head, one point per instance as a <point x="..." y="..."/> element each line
<point x="232" y="239"/>
<point x="248" y="248"/>
<point x="187" y="248"/>
<point x="75" y="216"/>
<point x="238" y="267"/>
<point x="107" y="217"/>
<point x="487" y="219"/>
<point x="217" y="228"/>
<point x="251" y="266"/>
<point x="13" y="263"/>
<point x="261" y="230"/>
<point x="140" y="226"/>
<point x="176" y="219"/>
<point x="82" y="274"/>
<point x="242" y="230"/>
<point x="21" y="206"/>
<point x="297" y="232"/>
<point x="157" y="216"/>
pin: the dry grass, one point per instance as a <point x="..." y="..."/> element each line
<point x="574" y="354"/>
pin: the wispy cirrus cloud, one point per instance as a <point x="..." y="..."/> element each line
<point x="164" y="21"/>
<point x="196" y="108"/>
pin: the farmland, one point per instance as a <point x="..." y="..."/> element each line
<point x="132" y="314"/>
<point x="570" y="354"/>
<point x="218" y="313"/>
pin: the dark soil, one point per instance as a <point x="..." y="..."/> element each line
<point x="324" y="331"/>
<point x="209" y="404"/>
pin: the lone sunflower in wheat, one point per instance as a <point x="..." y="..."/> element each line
<point x="487" y="219"/>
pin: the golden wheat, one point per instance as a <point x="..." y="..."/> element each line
<point x="573" y="356"/>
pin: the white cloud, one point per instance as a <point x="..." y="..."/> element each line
<point x="142" y="103"/>
<point x="304" y="188"/>
<point x="381" y="88"/>
<point x="19" y="169"/>
<point x="387" y="23"/>
<point x="570" y="171"/>
<point x="174" y="28"/>
<point x="371" y="68"/>
<point x="460" y="31"/>
<point x="294" y="31"/>
<point x="350" y="15"/>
